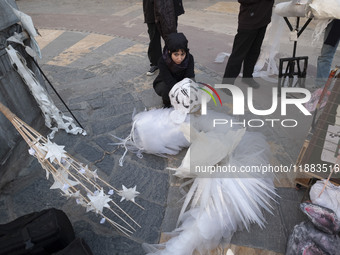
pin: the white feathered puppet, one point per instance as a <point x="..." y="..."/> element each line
<point x="217" y="204"/>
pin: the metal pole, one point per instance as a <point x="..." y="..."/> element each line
<point x="68" y="109"/>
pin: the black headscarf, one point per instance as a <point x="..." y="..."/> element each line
<point x="173" y="43"/>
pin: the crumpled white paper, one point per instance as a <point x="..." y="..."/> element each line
<point x="27" y="24"/>
<point x="221" y="56"/>
<point x="47" y="106"/>
<point x="322" y="9"/>
<point x="19" y="39"/>
<point x="294" y="8"/>
<point x="330" y="197"/>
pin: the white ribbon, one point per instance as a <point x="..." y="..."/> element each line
<point x="47" y="106"/>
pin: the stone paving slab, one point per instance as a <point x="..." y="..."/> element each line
<point x="279" y="226"/>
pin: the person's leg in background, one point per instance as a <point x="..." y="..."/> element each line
<point x="325" y="60"/>
<point x="253" y="53"/>
<point x="155" y="47"/>
<point x="242" y="43"/>
<point x="252" y="56"/>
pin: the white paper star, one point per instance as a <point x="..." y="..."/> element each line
<point x="66" y="162"/>
<point x="82" y="170"/>
<point x="69" y="194"/>
<point x="128" y="194"/>
<point x="80" y="201"/>
<point x="98" y="201"/>
<point x="61" y="181"/>
<point x="91" y="174"/>
<point x="88" y="173"/>
<point x="54" y="151"/>
<point x="31" y="151"/>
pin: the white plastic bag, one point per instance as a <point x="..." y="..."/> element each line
<point x="329" y="9"/>
<point x="329" y="198"/>
<point x="291" y="9"/>
<point x="311" y="104"/>
<point x="221" y="56"/>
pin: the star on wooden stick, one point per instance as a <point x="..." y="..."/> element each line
<point x="61" y="181"/>
<point x="68" y="172"/>
<point x="72" y="194"/>
<point x="128" y="194"/>
<point x="91" y="174"/>
<point x="88" y="173"/>
<point x="54" y="151"/>
<point x="99" y="200"/>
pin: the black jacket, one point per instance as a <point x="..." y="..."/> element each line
<point x="164" y="13"/>
<point x="254" y="13"/>
<point x="169" y="72"/>
<point x="149" y="11"/>
<point x="170" y="78"/>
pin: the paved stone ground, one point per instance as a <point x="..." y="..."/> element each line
<point x="102" y="87"/>
<point x="103" y="99"/>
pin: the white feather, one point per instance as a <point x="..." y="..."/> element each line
<point x="213" y="208"/>
<point x="154" y="132"/>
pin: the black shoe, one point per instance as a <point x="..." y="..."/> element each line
<point x="251" y="82"/>
<point x="227" y="91"/>
<point x="228" y="81"/>
<point x="152" y="70"/>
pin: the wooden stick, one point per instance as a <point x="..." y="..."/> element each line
<point x="35" y="141"/>
<point x="9" y="115"/>
<point x="330" y="174"/>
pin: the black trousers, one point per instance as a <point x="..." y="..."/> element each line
<point x="246" y="50"/>
<point x="163" y="90"/>
<point x="155" y="47"/>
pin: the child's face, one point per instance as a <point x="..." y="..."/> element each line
<point x="178" y="56"/>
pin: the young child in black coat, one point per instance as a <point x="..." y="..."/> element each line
<point x="175" y="64"/>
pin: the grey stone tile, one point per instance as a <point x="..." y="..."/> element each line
<point x="67" y="39"/>
<point x="104" y="141"/>
<point x="130" y="107"/>
<point x="121" y="88"/>
<point x="36" y="196"/>
<point x="152" y="161"/>
<point x="64" y="139"/>
<point x="109" y="124"/>
<point x="116" y="245"/>
<point x="174" y="205"/>
<point x="274" y="236"/>
<point x="145" y="179"/>
<point x="105" y="112"/>
<point x="91" y="97"/>
<point x="106" y="165"/>
<point x="4" y="214"/>
<point x="88" y="151"/>
<point x="119" y="99"/>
